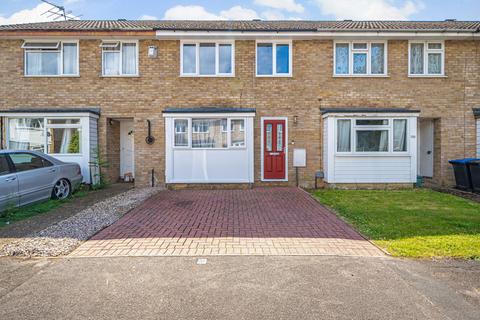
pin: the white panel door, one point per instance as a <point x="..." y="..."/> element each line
<point x="425" y="149"/>
<point x="127" y="157"/>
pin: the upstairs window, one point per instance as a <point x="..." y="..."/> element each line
<point x="360" y="58"/>
<point x="426" y="58"/>
<point x="119" y="58"/>
<point x="51" y="58"/>
<point x="207" y="59"/>
<point x="274" y="59"/>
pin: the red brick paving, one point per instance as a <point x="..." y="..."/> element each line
<point x="263" y="221"/>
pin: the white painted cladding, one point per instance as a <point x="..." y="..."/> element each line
<point x="188" y="165"/>
<point x="369" y="168"/>
<point x="478" y="137"/>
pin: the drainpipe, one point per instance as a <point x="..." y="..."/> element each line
<point x="1" y="133"/>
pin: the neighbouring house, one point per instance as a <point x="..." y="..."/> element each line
<point x="352" y="103"/>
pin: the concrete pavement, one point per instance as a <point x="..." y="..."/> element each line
<point x="244" y="287"/>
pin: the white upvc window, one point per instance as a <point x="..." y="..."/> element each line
<point x="119" y="58"/>
<point x="57" y="136"/>
<point x="209" y="133"/>
<point x="360" y="58"/>
<point x="426" y="58"/>
<point x="207" y="58"/>
<point x="273" y="58"/>
<point x="51" y="58"/>
<point x="371" y="135"/>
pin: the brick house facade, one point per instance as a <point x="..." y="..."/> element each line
<point x="448" y="100"/>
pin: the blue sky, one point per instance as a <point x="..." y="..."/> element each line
<point x="18" y="11"/>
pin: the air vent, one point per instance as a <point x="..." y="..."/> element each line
<point x="450" y="20"/>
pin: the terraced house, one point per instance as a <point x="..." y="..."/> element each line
<point x="354" y="103"/>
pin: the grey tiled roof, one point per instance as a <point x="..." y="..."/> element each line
<point x="250" y="25"/>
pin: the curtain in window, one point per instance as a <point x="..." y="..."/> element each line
<point x="70" y="58"/>
<point x="181" y="133"/>
<point x="129" y="58"/>
<point x="378" y="58"/>
<point x="360" y="63"/>
<point x="434" y="63"/>
<point x="400" y="135"/>
<point x="207" y="58"/>
<point x="34" y="63"/>
<point x="416" y="58"/>
<point x="372" y="140"/>
<point x="66" y="138"/>
<point x="189" y="58"/>
<point x="111" y="63"/>
<point x="383" y="146"/>
<point x="225" y="58"/>
<point x="343" y="135"/>
<point x="26" y="134"/>
<point x="341" y="58"/>
<point x="43" y="63"/>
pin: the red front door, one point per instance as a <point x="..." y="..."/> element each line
<point x="274" y="149"/>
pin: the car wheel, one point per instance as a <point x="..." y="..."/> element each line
<point x="61" y="189"/>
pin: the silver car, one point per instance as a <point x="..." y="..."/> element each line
<point x="31" y="176"/>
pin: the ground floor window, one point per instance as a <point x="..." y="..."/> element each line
<point x="49" y="135"/>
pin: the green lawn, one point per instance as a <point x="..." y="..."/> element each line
<point x="16" y="214"/>
<point x="411" y="223"/>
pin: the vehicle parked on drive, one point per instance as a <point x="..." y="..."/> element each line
<point x="31" y="176"/>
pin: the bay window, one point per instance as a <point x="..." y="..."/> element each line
<point x="49" y="135"/>
<point x="353" y="58"/>
<point x="426" y="58"/>
<point x="207" y="59"/>
<point x="119" y="58"/>
<point x="274" y="59"/>
<point x="58" y="58"/>
<point x="371" y="135"/>
<point x="209" y="133"/>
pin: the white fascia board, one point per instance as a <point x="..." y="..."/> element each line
<point x="48" y="114"/>
<point x="372" y="115"/>
<point x="248" y="35"/>
<point x="209" y="115"/>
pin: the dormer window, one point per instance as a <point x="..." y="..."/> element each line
<point x="55" y="58"/>
<point x="119" y="58"/>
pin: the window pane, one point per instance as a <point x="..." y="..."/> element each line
<point x="264" y="59"/>
<point x="279" y="137"/>
<point x="372" y="122"/>
<point x="189" y="58"/>
<point x="63" y="121"/>
<point x="362" y="46"/>
<point x="435" y="46"/>
<point x="359" y="63"/>
<point x="225" y="58"/>
<point x="268" y="133"/>
<point x="26" y="134"/>
<point x="70" y="58"/>
<point x="341" y="58"/>
<point x="27" y="161"/>
<point x="343" y="135"/>
<point x="400" y="135"/>
<point x="129" y="58"/>
<point x="63" y="140"/>
<point x="434" y="63"/>
<point x="181" y="133"/>
<point x="372" y="140"/>
<point x="416" y="58"/>
<point x="207" y="58"/>
<point x="283" y="58"/>
<point x="111" y="63"/>
<point x="237" y="132"/>
<point x="4" y="168"/>
<point x="43" y="63"/>
<point x="209" y="133"/>
<point x="378" y="58"/>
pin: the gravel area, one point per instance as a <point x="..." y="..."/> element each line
<point x="64" y="236"/>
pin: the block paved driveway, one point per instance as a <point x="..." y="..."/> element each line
<point x="259" y="221"/>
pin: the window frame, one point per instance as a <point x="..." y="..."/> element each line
<point x="274" y="59"/>
<point x="217" y="58"/>
<point x="59" y="49"/>
<point x="368" y="51"/>
<point x="190" y="133"/>
<point x="121" y="43"/>
<point x="353" y="136"/>
<point x="426" y="51"/>
<point x="47" y="126"/>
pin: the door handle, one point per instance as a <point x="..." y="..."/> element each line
<point x="52" y="170"/>
<point x="429" y="152"/>
<point x="11" y="179"/>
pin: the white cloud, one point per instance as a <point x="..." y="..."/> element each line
<point x="369" y="9"/>
<point x="200" y="13"/>
<point x="147" y="17"/>
<point x="288" y="5"/>
<point x="28" y="15"/>
<point x="272" y="15"/>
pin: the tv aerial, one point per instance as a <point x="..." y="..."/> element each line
<point x="57" y="12"/>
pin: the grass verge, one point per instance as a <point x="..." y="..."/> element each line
<point x="411" y="223"/>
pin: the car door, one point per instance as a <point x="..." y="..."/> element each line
<point x="8" y="184"/>
<point x="35" y="175"/>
